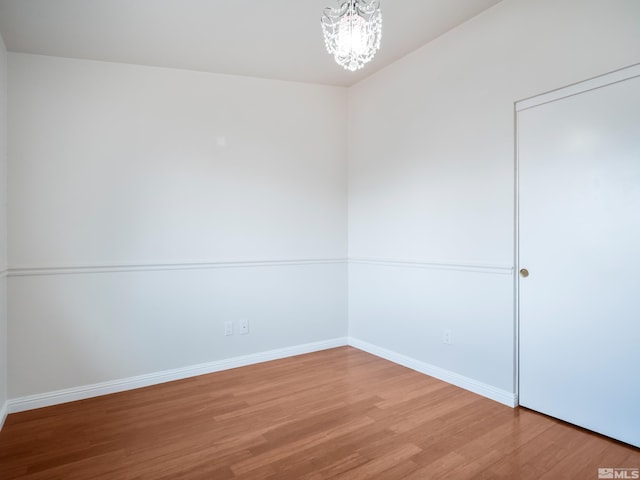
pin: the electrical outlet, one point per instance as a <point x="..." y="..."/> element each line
<point x="447" y="336"/>
<point x="228" y="328"/>
<point x="243" y="326"/>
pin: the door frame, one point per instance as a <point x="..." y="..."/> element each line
<point x="593" y="83"/>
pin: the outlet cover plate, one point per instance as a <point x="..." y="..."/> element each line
<point x="243" y="326"/>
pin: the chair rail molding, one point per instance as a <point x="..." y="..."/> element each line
<point x="434" y="265"/>
<point x="161" y="266"/>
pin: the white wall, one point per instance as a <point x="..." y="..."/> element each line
<point x="431" y="152"/>
<point x="3" y="230"/>
<point x="131" y="189"/>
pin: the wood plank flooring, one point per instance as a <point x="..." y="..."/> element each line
<point x="339" y="414"/>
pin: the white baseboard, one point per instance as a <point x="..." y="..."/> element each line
<point x="31" y="402"/>
<point x="502" y="396"/>
<point x="4" y="411"/>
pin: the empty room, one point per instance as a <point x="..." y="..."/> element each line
<point x="319" y="239"/>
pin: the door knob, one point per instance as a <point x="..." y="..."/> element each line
<point x="524" y="273"/>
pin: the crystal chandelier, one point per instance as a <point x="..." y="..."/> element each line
<point x="352" y="32"/>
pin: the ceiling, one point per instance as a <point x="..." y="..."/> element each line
<point x="279" y="39"/>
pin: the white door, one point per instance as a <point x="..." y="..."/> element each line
<point x="579" y="239"/>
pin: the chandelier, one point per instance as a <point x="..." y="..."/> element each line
<point x="352" y="32"/>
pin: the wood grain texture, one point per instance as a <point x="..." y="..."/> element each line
<point x="339" y="414"/>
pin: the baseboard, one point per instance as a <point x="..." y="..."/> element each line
<point x="499" y="395"/>
<point x="4" y="411"/>
<point x="31" y="402"/>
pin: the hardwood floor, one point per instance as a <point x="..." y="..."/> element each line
<point x="340" y="414"/>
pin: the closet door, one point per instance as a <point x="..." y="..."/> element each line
<point x="579" y="254"/>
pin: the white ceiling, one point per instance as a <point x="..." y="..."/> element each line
<point x="278" y="39"/>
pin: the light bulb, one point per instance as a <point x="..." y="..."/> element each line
<point x="352" y="35"/>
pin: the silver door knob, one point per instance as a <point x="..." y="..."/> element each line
<point x="524" y="273"/>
